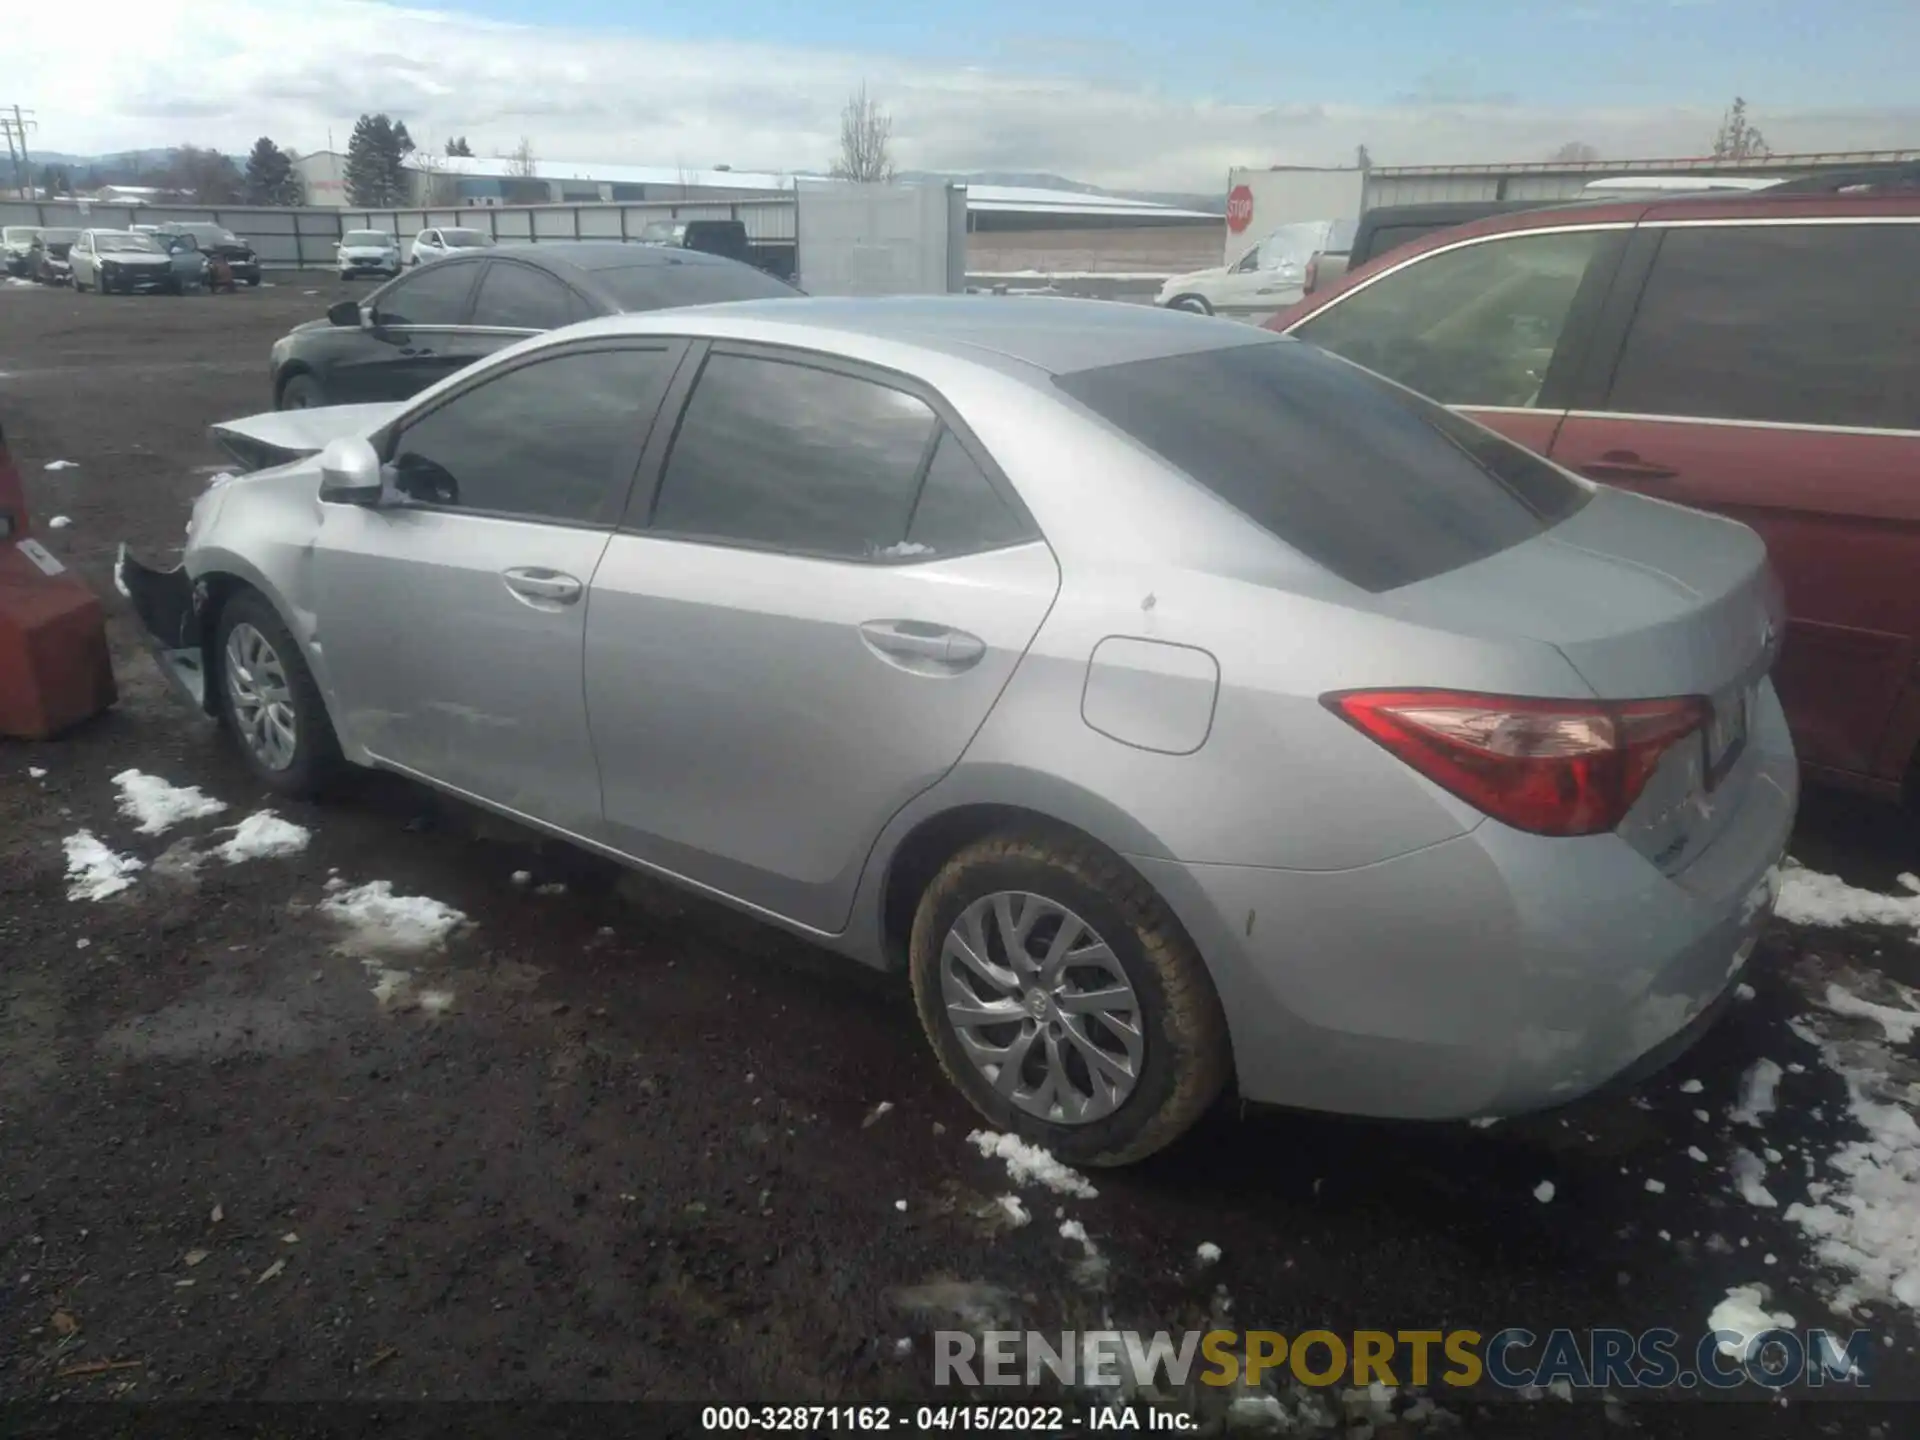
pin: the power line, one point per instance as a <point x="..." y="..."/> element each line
<point x="16" y="127"/>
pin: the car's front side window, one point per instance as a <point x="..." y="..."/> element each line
<point x="436" y="296"/>
<point x="553" y="440"/>
<point x="1475" y="325"/>
<point x="519" y="297"/>
<point x="783" y="456"/>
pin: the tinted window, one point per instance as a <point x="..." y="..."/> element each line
<point x="370" y="239"/>
<point x="464" y="239"/>
<point x="1378" y="485"/>
<point x="1473" y="326"/>
<point x="959" y="510"/>
<point x="1813" y="324"/>
<point x="557" y="439"/>
<point x="793" y="458"/>
<point x="436" y="296"/>
<point x="673" y="281"/>
<point x="519" y="297"/>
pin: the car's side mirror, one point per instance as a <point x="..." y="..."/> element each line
<point x="350" y="472"/>
<point x="347" y="314"/>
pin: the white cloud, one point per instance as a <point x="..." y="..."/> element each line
<point x="294" y="72"/>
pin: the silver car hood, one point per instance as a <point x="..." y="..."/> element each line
<point x="278" y="436"/>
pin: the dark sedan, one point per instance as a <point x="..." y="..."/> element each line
<point x="439" y="318"/>
<point x="217" y="240"/>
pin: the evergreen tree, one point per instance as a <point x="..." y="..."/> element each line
<point x="375" y="177"/>
<point x="402" y="139"/>
<point x="271" y="178"/>
<point x="460" y="147"/>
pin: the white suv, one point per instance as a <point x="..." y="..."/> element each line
<point x="438" y="243"/>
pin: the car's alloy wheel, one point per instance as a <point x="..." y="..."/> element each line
<point x="1063" y="998"/>
<point x="1042" y="1008"/>
<point x="261" y="698"/>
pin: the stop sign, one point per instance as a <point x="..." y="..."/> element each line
<point x="1239" y="208"/>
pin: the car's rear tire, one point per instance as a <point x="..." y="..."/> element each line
<point x="301" y="392"/>
<point x="268" y="699"/>
<point x="1192" y="304"/>
<point x="1130" y="986"/>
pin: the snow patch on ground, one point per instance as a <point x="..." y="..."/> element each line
<point x="61" y="465"/>
<point x="263" y="835"/>
<point x="383" y="922"/>
<point x="1809" y="898"/>
<point x="1749" y="1174"/>
<point x="59" y="522"/>
<point x="1865" y="1220"/>
<point x="1208" y="1253"/>
<point x="95" y="871"/>
<point x="1091" y="1268"/>
<point x="1543" y="1192"/>
<point x="1029" y="1164"/>
<point x="34" y="772"/>
<point x="1015" y="1210"/>
<point x="157" y="805"/>
<point x="1757" y="1088"/>
<point x="1744" y="1312"/>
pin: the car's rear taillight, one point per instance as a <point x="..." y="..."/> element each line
<point x="1552" y="767"/>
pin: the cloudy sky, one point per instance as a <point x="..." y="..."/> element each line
<point x="1144" y="93"/>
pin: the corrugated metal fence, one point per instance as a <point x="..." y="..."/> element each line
<point x="291" y="239"/>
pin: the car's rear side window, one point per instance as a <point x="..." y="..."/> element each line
<point x="1800" y="324"/>
<point x="665" y="284"/>
<point x="1380" y="486"/>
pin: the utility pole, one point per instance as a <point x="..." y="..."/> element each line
<point x="17" y="127"/>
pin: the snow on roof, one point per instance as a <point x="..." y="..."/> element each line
<point x="1014" y="199"/>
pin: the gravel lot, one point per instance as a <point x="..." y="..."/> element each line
<point x="612" y="1143"/>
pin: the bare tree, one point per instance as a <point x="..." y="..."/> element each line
<point x="436" y="185"/>
<point x="1363" y="158"/>
<point x="521" y="161"/>
<point x="865" y="132"/>
<point x="1739" y="137"/>
<point x="1574" y="152"/>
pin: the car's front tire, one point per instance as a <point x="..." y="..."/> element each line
<point x="269" y="701"/>
<point x="301" y="392"/>
<point x="1064" y="1000"/>
<point x="1192" y="304"/>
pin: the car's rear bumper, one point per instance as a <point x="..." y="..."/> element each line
<point x="168" y="604"/>
<point x="1492" y="973"/>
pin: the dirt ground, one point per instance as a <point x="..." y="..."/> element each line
<point x="612" y="1143"/>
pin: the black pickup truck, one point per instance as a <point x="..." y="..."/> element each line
<point x="1391" y="226"/>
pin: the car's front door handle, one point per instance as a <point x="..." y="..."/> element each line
<point x="1626" y="465"/>
<point x="917" y="640"/>
<point x="533" y="582"/>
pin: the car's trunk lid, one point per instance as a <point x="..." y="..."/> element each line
<point x="1646" y="601"/>
<point x="279" y="436"/>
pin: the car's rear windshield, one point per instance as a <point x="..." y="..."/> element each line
<point x="1380" y="486"/>
<point x="366" y="238"/>
<point x="658" y="287"/>
<point x="466" y="239"/>
<point x="209" y="234"/>
<point x="14" y="234"/>
<point x="123" y="243"/>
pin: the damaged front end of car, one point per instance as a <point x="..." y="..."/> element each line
<point x="170" y="605"/>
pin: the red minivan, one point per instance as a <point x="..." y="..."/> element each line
<point x="1757" y="355"/>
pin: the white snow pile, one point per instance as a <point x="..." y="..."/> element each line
<point x="1749" y="1174"/>
<point x="1809" y="898"/>
<point x="263" y="835"/>
<point x="62" y="465"/>
<point x="1543" y="1192"/>
<point x="380" y="920"/>
<point x="158" y="806"/>
<point x="1091" y="1268"/>
<point x="95" y="871"/>
<point x="59" y="522"/>
<point x="34" y="772"/>
<point x="1029" y="1164"/>
<point x="1757" y="1088"/>
<point x="1014" y="1209"/>
<point x="1744" y="1312"/>
<point x="1864" y="1214"/>
<point x="1208" y="1253"/>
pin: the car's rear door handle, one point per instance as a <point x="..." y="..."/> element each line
<point x="1626" y="465"/>
<point x="917" y="640"/>
<point x="534" y="582"/>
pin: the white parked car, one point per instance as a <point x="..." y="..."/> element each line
<point x="108" y="260"/>
<point x="367" y="252"/>
<point x="1269" y="277"/>
<point x="437" y="244"/>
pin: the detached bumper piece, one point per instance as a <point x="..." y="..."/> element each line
<point x="54" y="667"/>
<point x="169" y="610"/>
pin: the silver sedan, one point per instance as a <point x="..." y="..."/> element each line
<point x="1178" y="705"/>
